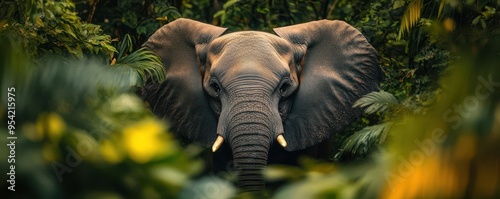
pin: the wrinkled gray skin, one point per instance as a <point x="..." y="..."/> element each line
<point x="249" y="87"/>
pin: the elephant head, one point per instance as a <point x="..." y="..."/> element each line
<point x="254" y="89"/>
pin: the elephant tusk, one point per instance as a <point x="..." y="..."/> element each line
<point x="218" y="143"/>
<point x="281" y="140"/>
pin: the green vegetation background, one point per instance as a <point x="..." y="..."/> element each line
<point x="431" y="133"/>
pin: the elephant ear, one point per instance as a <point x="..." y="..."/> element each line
<point x="338" y="66"/>
<point x="180" y="99"/>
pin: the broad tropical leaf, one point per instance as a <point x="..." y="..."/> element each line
<point x="362" y="141"/>
<point x="138" y="65"/>
<point x="376" y="101"/>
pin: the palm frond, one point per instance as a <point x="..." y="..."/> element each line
<point x="125" y="46"/>
<point x="411" y="17"/>
<point x="441" y="6"/>
<point x="362" y="141"/>
<point x="376" y="101"/>
<point x="140" y="65"/>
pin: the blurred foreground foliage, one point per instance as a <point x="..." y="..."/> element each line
<point x="431" y="133"/>
<point x="82" y="132"/>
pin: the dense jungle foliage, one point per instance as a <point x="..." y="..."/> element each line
<point x="70" y="70"/>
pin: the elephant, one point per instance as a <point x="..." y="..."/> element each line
<point x="252" y="91"/>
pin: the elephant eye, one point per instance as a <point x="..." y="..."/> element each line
<point x="215" y="87"/>
<point x="284" y="88"/>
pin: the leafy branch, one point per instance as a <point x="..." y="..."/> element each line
<point x="376" y="102"/>
<point x="362" y="141"/>
<point x="138" y="65"/>
<point x="365" y="140"/>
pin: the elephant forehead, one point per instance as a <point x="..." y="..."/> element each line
<point x="250" y="51"/>
<point x="251" y="40"/>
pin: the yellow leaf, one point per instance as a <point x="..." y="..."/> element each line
<point x="110" y="152"/>
<point x="50" y="125"/>
<point x="449" y="24"/>
<point x="38" y="22"/>
<point x="50" y="152"/>
<point x="441" y="5"/>
<point x="145" y="140"/>
<point x="410" y="18"/>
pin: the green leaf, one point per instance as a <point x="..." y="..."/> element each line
<point x="331" y="186"/>
<point x="140" y="65"/>
<point x="483" y="24"/>
<point x="229" y="4"/>
<point x="441" y="6"/>
<point x="67" y="28"/>
<point x="123" y="3"/>
<point x="282" y="172"/>
<point x="129" y="18"/>
<point x="361" y="142"/>
<point x="219" y="13"/>
<point x="376" y="101"/>
<point x="222" y="189"/>
<point x="141" y="30"/>
<point x="38" y="22"/>
<point x="125" y="46"/>
<point x="169" y="176"/>
<point x="476" y="20"/>
<point x="397" y="4"/>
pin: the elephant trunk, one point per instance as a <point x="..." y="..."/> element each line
<point x="249" y="133"/>
<point x="250" y="159"/>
